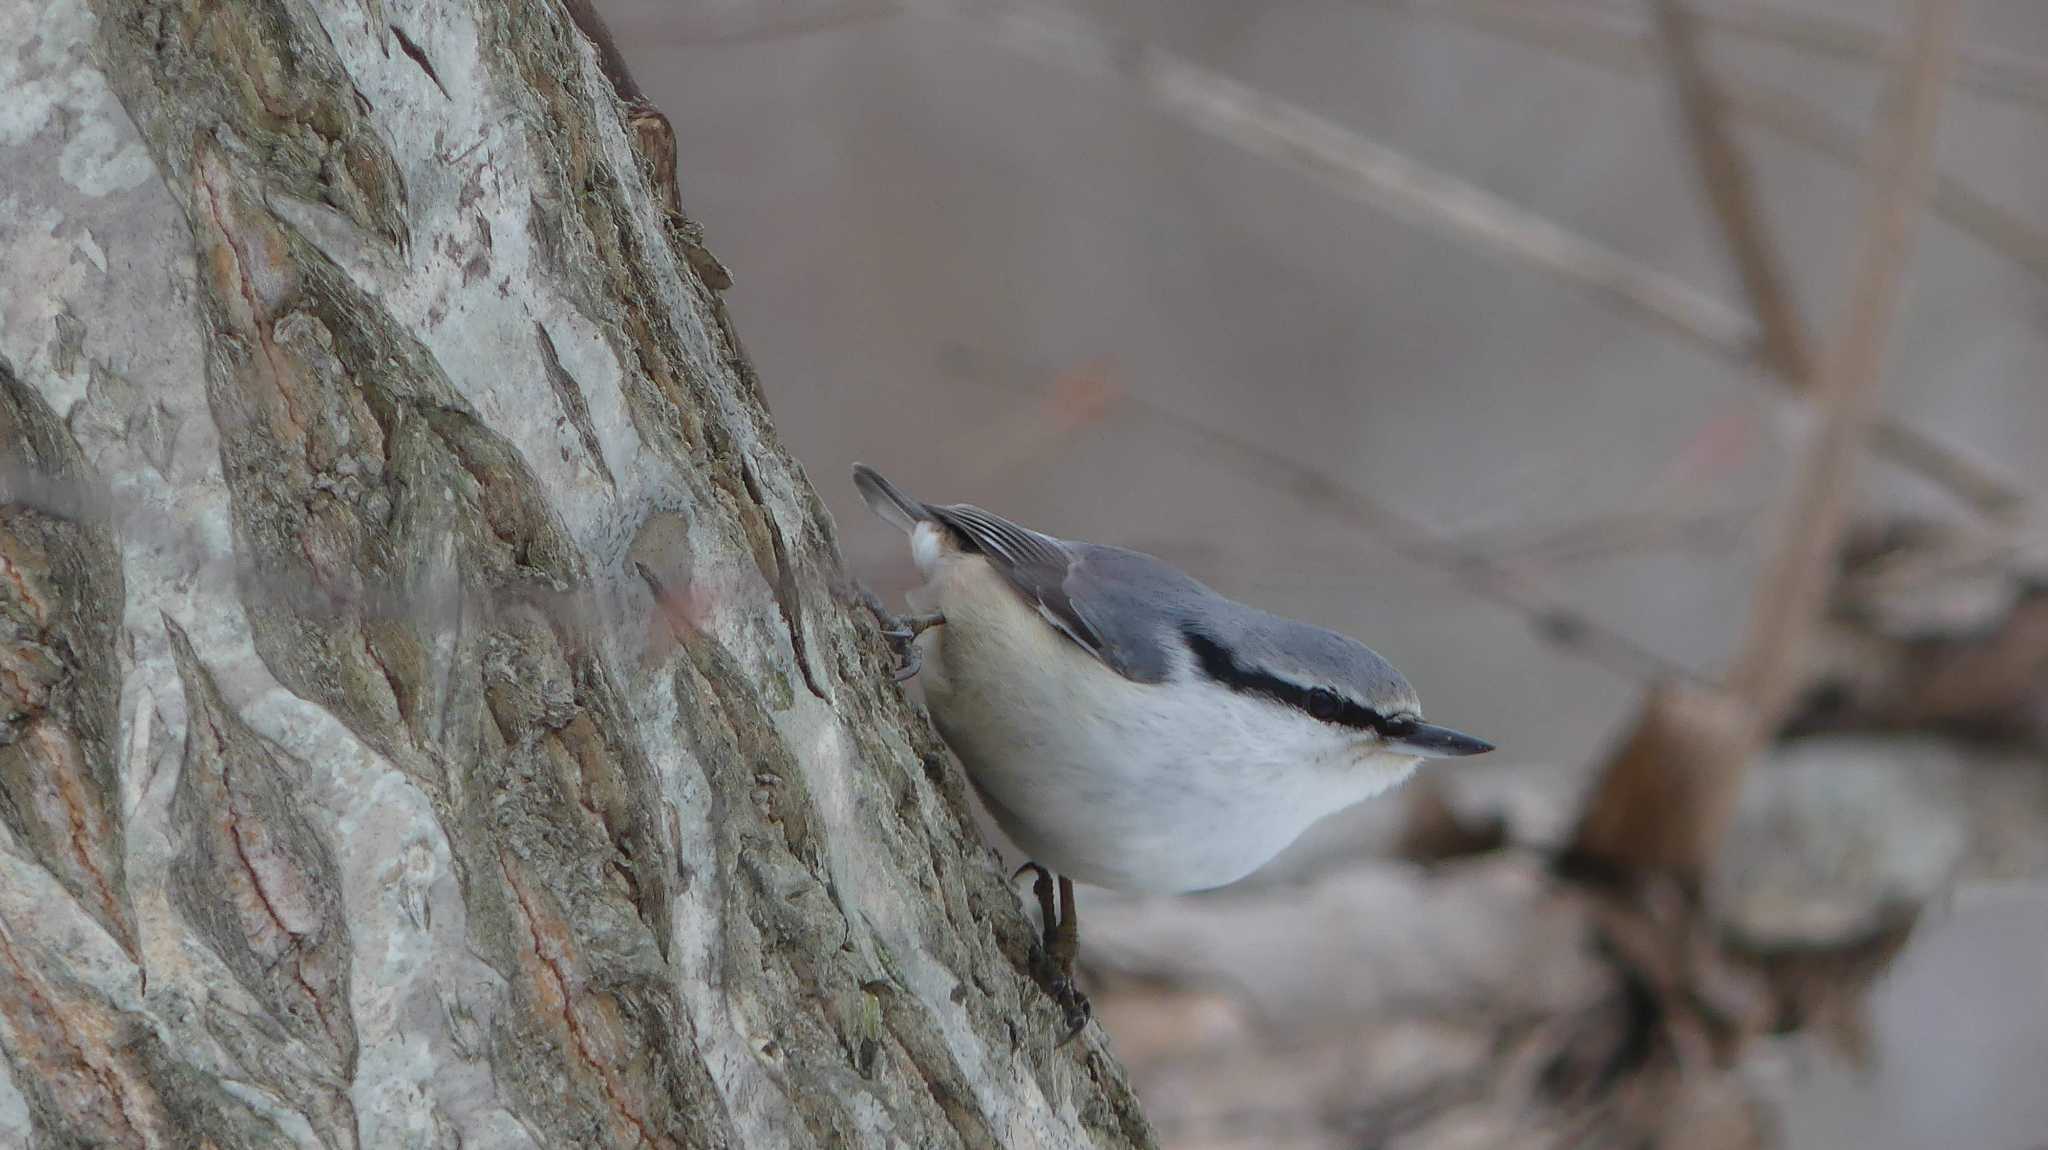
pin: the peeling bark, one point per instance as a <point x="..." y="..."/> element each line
<point x="436" y="724"/>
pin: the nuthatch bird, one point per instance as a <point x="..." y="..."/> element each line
<point x="1129" y="727"/>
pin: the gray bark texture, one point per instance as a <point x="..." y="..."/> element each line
<point x="429" y="711"/>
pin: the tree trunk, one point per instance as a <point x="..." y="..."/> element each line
<point x="429" y="715"/>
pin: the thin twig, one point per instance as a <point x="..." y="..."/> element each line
<point x="1623" y="48"/>
<point x="1617" y="45"/>
<point x="1730" y="190"/>
<point x="2003" y="232"/>
<point x="1724" y="174"/>
<point x="1360" y="168"/>
<point x="1374" y="174"/>
<point x="1790" y="598"/>
<point x="1985" y="70"/>
<point x="1988" y="71"/>
<point x="1603" y="536"/>
<point x="1475" y="572"/>
<point x="1666" y="796"/>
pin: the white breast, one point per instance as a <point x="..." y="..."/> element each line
<point x="1165" y="787"/>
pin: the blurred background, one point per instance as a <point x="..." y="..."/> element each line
<point x="1486" y="331"/>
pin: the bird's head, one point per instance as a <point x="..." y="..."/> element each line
<point x="1315" y="676"/>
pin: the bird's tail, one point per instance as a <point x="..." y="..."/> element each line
<point x="886" y="501"/>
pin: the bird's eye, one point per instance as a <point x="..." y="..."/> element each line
<point x="1324" y="703"/>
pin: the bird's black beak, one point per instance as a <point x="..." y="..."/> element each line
<point x="1435" y="742"/>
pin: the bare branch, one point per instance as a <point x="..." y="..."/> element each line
<point x="1985" y="70"/>
<point x="1730" y="190"/>
<point x="1621" y="47"/>
<point x="1374" y="174"/>
<point x="1364" y="170"/>
<point x="1667" y="794"/>
<point x="1604" y="536"/>
<point x="1901" y="174"/>
<point x="1724" y="175"/>
<point x="1476" y="572"/>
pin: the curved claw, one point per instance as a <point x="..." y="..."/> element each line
<point x="1054" y="971"/>
<point x="1075" y="1009"/>
<point x="901" y="632"/>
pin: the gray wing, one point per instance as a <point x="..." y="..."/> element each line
<point x="1123" y="607"/>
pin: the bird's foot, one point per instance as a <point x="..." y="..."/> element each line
<point x="1075" y="1009"/>
<point x="1060" y="944"/>
<point x="901" y="631"/>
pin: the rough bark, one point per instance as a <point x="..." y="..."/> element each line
<point x="428" y="711"/>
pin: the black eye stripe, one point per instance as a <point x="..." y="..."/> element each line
<point x="1324" y="704"/>
<point x="1316" y="702"/>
